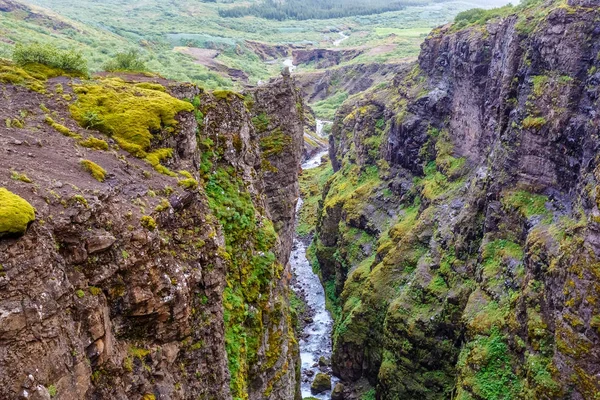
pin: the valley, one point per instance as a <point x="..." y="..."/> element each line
<point x="299" y="200"/>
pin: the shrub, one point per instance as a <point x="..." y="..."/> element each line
<point x="70" y="61"/>
<point x="97" y="171"/>
<point x="129" y="60"/>
<point x="15" y="214"/>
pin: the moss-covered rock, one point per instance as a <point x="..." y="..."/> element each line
<point x="321" y="383"/>
<point x="15" y="214"/>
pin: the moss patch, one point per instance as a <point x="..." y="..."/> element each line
<point x="93" y="143"/>
<point x="15" y="214"/>
<point x="131" y="114"/>
<point x="94" y="169"/>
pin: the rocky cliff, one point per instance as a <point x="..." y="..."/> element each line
<point x="157" y="263"/>
<point x="458" y="238"/>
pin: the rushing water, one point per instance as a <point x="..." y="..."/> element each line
<point x="315" y="340"/>
<point x="320" y="125"/>
<point x="340" y="40"/>
<point x="289" y="62"/>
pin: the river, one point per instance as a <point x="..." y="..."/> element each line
<point x="315" y="341"/>
<point x="340" y="40"/>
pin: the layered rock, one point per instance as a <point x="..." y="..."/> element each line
<point x="117" y="289"/>
<point x="461" y="236"/>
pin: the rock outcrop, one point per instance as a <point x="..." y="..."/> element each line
<point x="460" y="229"/>
<point x="325" y="58"/>
<point x="131" y="281"/>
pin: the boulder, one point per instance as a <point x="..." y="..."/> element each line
<point x="321" y="383"/>
<point x="338" y="392"/>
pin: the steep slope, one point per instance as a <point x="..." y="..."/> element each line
<point x="458" y="237"/>
<point x="156" y="266"/>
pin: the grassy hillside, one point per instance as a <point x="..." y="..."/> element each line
<point x="162" y="32"/>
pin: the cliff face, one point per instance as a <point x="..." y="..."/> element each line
<point x="162" y="275"/>
<point x="460" y="230"/>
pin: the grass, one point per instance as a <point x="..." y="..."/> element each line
<point x="325" y="109"/>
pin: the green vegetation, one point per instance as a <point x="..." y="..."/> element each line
<point x="93" y="143"/>
<point x="52" y="391"/>
<point x="16" y="176"/>
<point x="312" y="182"/>
<point x="479" y="16"/>
<point x="61" y="128"/>
<point x="495" y="379"/>
<point x="528" y="204"/>
<point x="165" y="36"/>
<point x="10" y="73"/>
<point x="130" y="114"/>
<point x="126" y="61"/>
<point x="69" y="61"/>
<point x="148" y="222"/>
<point x="15" y="214"/>
<point x="94" y="169"/>
<point x="252" y="267"/>
<point x="534" y="123"/>
<point x="325" y="109"/>
<point x="274" y="143"/>
<point x="316" y="9"/>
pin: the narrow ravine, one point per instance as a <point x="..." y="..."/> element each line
<point x="315" y="340"/>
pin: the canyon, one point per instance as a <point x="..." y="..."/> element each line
<point x="163" y="241"/>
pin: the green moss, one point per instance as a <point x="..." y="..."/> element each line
<point x="164" y="205"/>
<point x="312" y="182"/>
<point x="138" y="352"/>
<point x="494" y="378"/>
<point x="129" y="113"/>
<point x="52" y="391"/>
<point x="61" y="128"/>
<point x="14" y="175"/>
<point x="189" y="183"/>
<point x="151" y="86"/>
<point x="251" y="266"/>
<point x="227" y="95"/>
<point x="10" y="73"/>
<point x="95" y="291"/>
<point x="261" y="122"/>
<point x="148" y="222"/>
<point x="528" y="204"/>
<point x="80" y="293"/>
<point x="534" y="122"/>
<point x="93" y="143"/>
<point x="94" y="169"/>
<point x="15" y="214"/>
<point x="156" y="157"/>
<point x="275" y="143"/>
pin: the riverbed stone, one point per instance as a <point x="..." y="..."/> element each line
<point x="324" y="362"/>
<point x="321" y="383"/>
<point x="338" y="392"/>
